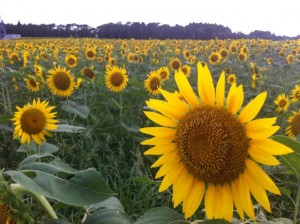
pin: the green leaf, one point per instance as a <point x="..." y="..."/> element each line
<point x="31" y="147"/>
<point x="110" y="203"/>
<point x="215" y="221"/>
<point x="69" y="128"/>
<point x="160" y="215"/>
<point x="85" y="188"/>
<point x="72" y="107"/>
<point x="56" y="221"/>
<point x="132" y="128"/>
<point x="110" y="216"/>
<point x="291" y="161"/>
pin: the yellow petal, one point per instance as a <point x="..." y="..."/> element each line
<point x="206" y="89"/>
<point x="245" y="196"/>
<point x="261" y="133"/>
<point x="261" y="123"/>
<point x="186" y="90"/>
<point x="175" y="101"/>
<point x="164" y="158"/>
<point x="194" y="198"/>
<point x="220" y="91"/>
<point x="181" y="187"/>
<point x="263" y="157"/>
<point x="259" y="193"/>
<point x="169" y="179"/>
<point x="235" y="99"/>
<point x="158" y="131"/>
<point x="164" y="108"/>
<point x="256" y="173"/>
<point x="237" y="198"/>
<point x="251" y="109"/>
<point x="270" y="146"/>
<point x="161" y="119"/>
<point x="161" y="149"/>
<point x="167" y="167"/>
<point x="226" y="202"/>
<point x="210" y="201"/>
<point x="36" y="139"/>
<point x="158" y="141"/>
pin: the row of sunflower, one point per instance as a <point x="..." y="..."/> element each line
<point x="210" y="147"/>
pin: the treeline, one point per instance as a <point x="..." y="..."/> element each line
<point x="137" y="30"/>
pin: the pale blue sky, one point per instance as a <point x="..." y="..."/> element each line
<point x="279" y="17"/>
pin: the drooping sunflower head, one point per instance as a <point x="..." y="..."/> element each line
<point x="60" y="81"/>
<point x="89" y="72"/>
<point x="32" y="84"/>
<point x="174" y="64"/>
<point x="71" y="61"/>
<point x="282" y="101"/>
<point x="116" y="78"/>
<point x="209" y="147"/>
<point x="153" y="83"/>
<point x="34" y="121"/>
<point x="164" y="73"/>
<point x="293" y="130"/>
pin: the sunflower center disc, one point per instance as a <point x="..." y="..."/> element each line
<point x="61" y="81"/>
<point x="212" y="144"/>
<point x="154" y="84"/>
<point x="117" y="79"/>
<point x="33" y="121"/>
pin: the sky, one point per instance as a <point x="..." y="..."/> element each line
<point x="278" y="17"/>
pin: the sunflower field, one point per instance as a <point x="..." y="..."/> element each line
<point x="149" y="131"/>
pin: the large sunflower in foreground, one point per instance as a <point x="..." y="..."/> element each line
<point x="210" y="148"/>
<point x="116" y="78"/>
<point x="60" y="82"/>
<point x="33" y="121"/>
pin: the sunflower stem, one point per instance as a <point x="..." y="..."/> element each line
<point x="3" y="96"/>
<point x="20" y="190"/>
<point x="8" y="100"/>
<point x="121" y="108"/>
<point x="297" y="203"/>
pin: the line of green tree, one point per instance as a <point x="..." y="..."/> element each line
<point x="203" y="31"/>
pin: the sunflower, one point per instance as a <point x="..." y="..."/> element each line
<point x="282" y="102"/>
<point x="39" y="72"/>
<point x="294" y="129"/>
<point x="116" y="78"/>
<point x="34" y="121"/>
<point x="231" y="78"/>
<point x="224" y="53"/>
<point x="153" y="83"/>
<point x="242" y="56"/>
<point x="14" y="57"/>
<point x="174" y="64"/>
<point x="60" y="82"/>
<point x="32" y="84"/>
<point x="186" y="54"/>
<point x="214" y="58"/>
<point x="89" y="72"/>
<point x="71" y="61"/>
<point x="289" y="59"/>
<point x="90" y="54"/>
<point x="209" y="147"/>
<point x="164" y="73"/>
<point x="186" y="70"/>
<point x="295" y="93"/>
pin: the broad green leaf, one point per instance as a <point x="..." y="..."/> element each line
<point x="72" y="107"/>
<point x="215" y="221"/>
<point x="160" y="215"/>
<point x="110" y="203"/>
<point x="291" y="161"/>
<point x="32" y="147"/>
<point x="32" y="158"/>
<point x="69" y="128"/>
<point x="111" y="216"/>
<point x="56" y="221"/>
<point x="84" y="188"/>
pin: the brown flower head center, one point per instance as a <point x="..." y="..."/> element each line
<point x="62" y="81"/>
<point x="163" y="74"/>
<point x="282" y="103"/>
<point x="154" y="83"/>
<point x="88" y="73"/>
<point x="224" y="53"/>
<point x="296" y="125"/>
<point x="175" y="64"/>
<point x="214" y="58"/>
<point x="242" y="57"/>
<point x="90" y="54"/>
<point x="212" y="144"/>
<point x="33" y="121"/>
<point x="297" y="94"/>
<point x="32" y="82"/>
<point x="71" y="61"/>
<point x="117" y="79"/>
